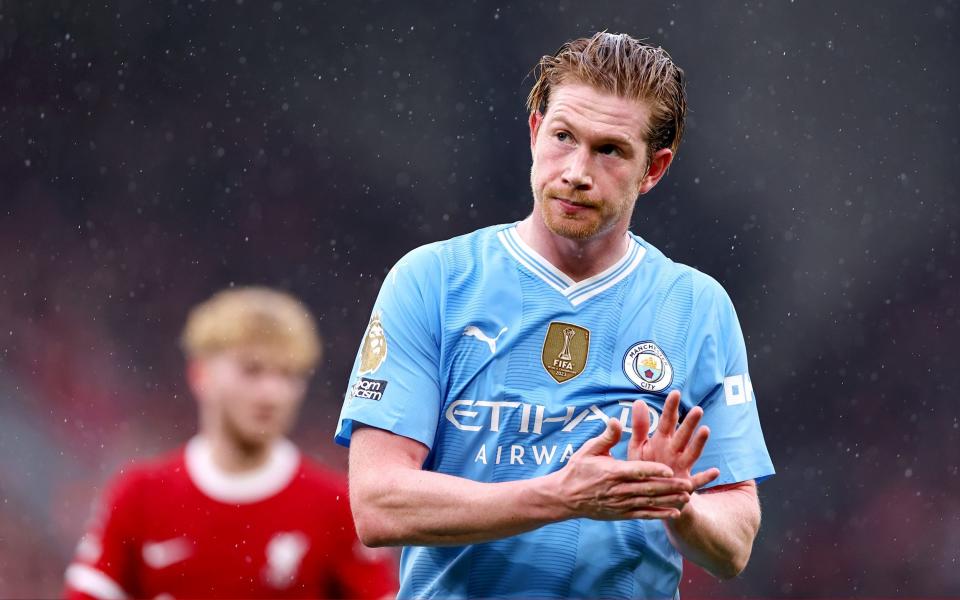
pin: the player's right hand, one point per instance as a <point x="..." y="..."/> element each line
<point x="677" y="447"/>
<point x="595" y="485"/>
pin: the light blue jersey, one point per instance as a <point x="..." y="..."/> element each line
<point x="503" y="367"/>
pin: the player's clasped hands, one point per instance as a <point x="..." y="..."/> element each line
<point x="654" y="482"/>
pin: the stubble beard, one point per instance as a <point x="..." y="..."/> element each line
<point x="578" y="227"/>
<point x="572" y="228"/>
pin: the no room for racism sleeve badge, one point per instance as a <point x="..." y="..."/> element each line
<point x="372" y="354"/>
<point x="647" y="367"/>
<point x="565" y="350"/>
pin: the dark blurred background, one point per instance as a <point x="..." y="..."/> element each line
<point x="153" y="152"/>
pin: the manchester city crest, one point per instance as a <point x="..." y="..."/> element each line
<point x="647" y="367"/>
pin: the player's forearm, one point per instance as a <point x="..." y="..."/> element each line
<point x="716" y="530"/>
<point x="405" y="506"/>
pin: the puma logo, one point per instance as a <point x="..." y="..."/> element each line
<point x="474" y="331"/>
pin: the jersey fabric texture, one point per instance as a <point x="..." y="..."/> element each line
<point x="180" y="528"/>
<point x="503" y="367"/>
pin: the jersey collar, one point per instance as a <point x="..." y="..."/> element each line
<point x="577" y="292"/>
<point x="260" y="484"/>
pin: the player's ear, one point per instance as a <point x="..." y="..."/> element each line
<point x="196" y="377"/>
<point x="659" y="163"/>
<point x="536" y="119"/>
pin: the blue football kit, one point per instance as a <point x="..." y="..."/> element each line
<point x="503" y="367"/>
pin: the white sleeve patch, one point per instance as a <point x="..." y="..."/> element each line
<point x="737" y="389"/>
<point x="93" y="582"/>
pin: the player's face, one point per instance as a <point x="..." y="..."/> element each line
<point x="256" y="401"/>
<point x="589" y="161"/>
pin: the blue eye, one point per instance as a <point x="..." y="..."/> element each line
<point x="562" y="136"/>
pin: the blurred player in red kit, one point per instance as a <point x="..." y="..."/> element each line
<point x="237" y="512"/>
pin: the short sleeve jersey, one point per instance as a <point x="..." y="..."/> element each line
<point x="503" y="367"/>
<point x="178" y="527"/>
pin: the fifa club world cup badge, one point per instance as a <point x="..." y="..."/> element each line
<point x="647" y="367"/>
<point x="565" y="350"/>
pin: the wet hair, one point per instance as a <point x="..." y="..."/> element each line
<point x="621" y="65"/>
<point x="256" y="318"/>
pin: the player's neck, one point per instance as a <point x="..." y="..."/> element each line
<point x="234" y="456"/>
<point x="578" y="259"/>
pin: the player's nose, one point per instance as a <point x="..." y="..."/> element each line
<point x="276" y="385"/>
<point x="576" y="172"/>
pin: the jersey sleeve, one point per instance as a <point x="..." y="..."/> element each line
<point x="104" y="566"/>
<point x="719" y="382"/>
<point x="395" y="381"/>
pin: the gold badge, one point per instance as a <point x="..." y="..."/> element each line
<point x="565" y="351"/>
<point x="374" y="350"/>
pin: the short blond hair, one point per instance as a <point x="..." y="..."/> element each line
<point x="624" y="66"/>
<point x="254" y="317"/>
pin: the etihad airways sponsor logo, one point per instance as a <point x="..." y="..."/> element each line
<point x="518" y="454"/>
<point x="488" y="415"/>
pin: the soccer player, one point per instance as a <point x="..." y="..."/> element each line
<point x="238" y="512"/>
<point x="513" y="412"/>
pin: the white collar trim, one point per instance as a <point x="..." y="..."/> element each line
<point x="265" y="481"/>
<point x="576" y="292"/>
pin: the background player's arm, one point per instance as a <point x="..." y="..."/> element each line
<point x="396" y="502"/>
<point x="358" y="571"/>
<point x="103" y="567"/>
<point x="717" y="528"/>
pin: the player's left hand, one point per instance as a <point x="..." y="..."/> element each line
<point x="677" y="447"/>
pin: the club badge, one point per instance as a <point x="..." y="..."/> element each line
<point x="647" y="367"/>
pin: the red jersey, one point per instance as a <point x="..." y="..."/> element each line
<point x="182" y="528"/>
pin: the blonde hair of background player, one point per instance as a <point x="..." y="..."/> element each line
<point x="259" y="317"/>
